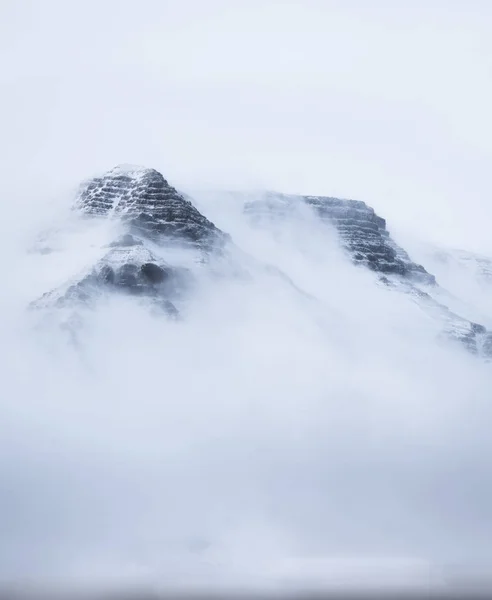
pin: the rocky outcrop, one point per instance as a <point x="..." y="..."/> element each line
<point x="366" y="239"/>
<point x="127" y="268"/>
<point x="363" y="233"/>
<point x="150" y="213"/>
<point x="149" y="207"/>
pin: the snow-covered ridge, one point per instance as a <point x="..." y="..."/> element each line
<point x="367" y="241"/>
<point x="363" y="233"/>
<point x="149" y="205"/>
<point x="133" y="171"/>
<point x="155" y="219"/>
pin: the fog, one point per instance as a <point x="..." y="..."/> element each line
<point x="275" y="424"/>
<point x="266" y="426"/>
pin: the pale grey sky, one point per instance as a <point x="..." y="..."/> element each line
<point x="385" y="101"/>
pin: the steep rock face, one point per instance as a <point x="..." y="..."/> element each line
<point x="151" y="214"/>
<point x="366" y="239"/>
<point x="127" y="268"/>
<point x="149" y="206"/>
<point x="363" y="233"/>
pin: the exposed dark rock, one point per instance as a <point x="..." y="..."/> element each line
<point x="487" y="345"/>
<point x="150" y="212"/>
<point x="150" y="207"/>
<point x="106" y="274"/>
<point x="126" y="276"/>
<point x="136" y="279"/>
<point x="153" y="273"/>
<point x="363" y="233"/>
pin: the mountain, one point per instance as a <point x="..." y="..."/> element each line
<point x="362" y="232"/>
<point x="149" y="207"/>
<point x="151" y="214"/>
<point x="163" y="242"/>
<point x="367" y="242"/>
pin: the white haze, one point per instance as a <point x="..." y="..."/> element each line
<point x="265" y="430"/>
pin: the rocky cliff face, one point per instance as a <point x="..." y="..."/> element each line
<point x="151" y="214"/>
<point x="362" y="232"/>
<point x="368" y="243"/>
<point x="149" y="207"/>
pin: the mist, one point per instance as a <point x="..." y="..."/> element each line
<point x="264" y="427"/>
<point x="299" y="412"/>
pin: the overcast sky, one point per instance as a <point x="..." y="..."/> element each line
<point x="384" y="101"/>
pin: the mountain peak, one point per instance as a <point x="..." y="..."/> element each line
<point x="362" y="232"/>
<point x="148" y="205"/>
<point x="129" y="168"/>
<point x="153" y="216"/>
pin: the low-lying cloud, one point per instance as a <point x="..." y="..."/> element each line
<point x="271" y="424"/>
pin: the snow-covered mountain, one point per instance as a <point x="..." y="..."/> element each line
<point x="238" y="389"/>
<point x="364" y="236"/>
<point x="163" y="241"/>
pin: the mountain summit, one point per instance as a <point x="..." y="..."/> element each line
<point x="148" y="206"/>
